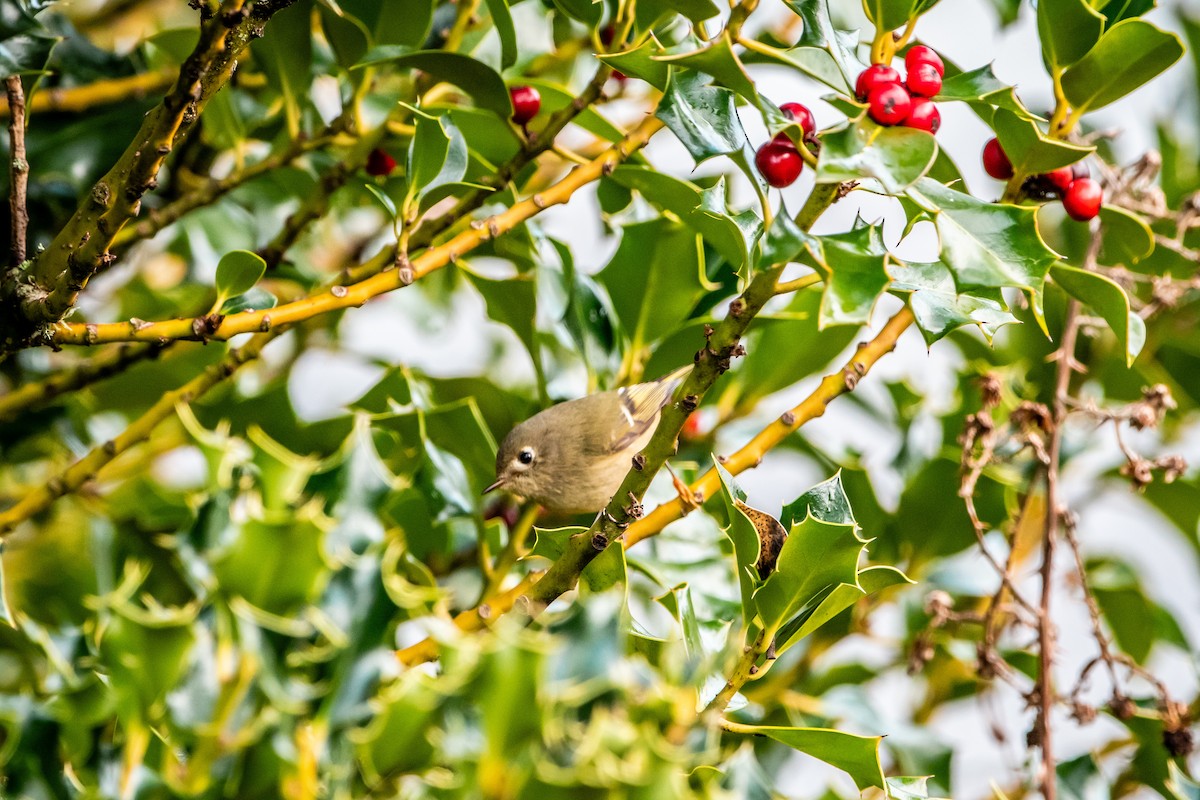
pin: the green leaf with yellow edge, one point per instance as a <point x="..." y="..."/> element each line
<point x="1107" y="298"/>
<point x="1128" y="55"/>
<point x="701" y="116"/>
<point x="237" y="272"/>
<point x="857" y="756"/>
<point x="720" y="61"/>
<point x="855" y="267"/>
<point x="1029" y="149"/>
<point x="702" y="210"/>
<point x="988" y="245"/>
<point x="640" y="63"/>
<point x="888" y="15"/>
<point x="982" y="86"/>
<point x="939" y="308"/>
<point x="513" y="303"/>
<point x="474" y="77"/>
<point x="1068" y="29"/>
<point x="894" y="156"/>
<point x="1125" y="238"/>
<point x="744" y="535"/>
<point x="819" y="34"/>
<point x="589" y="12"/>
<point x="817" y="557"/>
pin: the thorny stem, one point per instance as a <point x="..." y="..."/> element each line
<point x="18" y="170"/>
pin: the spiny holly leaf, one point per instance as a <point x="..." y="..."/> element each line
<point x="988" y="244"/>
<point x="827" y="501"/>
<point x="437" y="154"/>
<point x="818" y="33"/>
<point x="1107" y="298"/>
<point x="1128" y="55"/>
<point x="940" y="308"/>
<point x="640" y="63"/>
<point x="1068" y="29"/>
<point x="701" y="116"/>
<point x="702" y="209"/>
<point x="720" y="61"/>
<point x="895" y="156"/>
<point x="855" y="266"/>
<point x="1031" y="151"/>
<point x="858" y="756"/>
<point x="982" y="86"/>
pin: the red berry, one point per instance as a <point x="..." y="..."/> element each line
<point x="526" y="103"/>
<point x="692" y="427"/>
<point x="995" y="161"/>
<point x="1060" y="178"/>
<point x="379" y="163"/>
<point x="801" y="116"/>
<point x="873" y="77"/>
<point x="924" y="80"/>
<point x="779" y="164"/>
<point x="889" y="105"/>
<point x="923" y="55"/>
<point x="1082" y="199"/>
<point x="924" y="115"/>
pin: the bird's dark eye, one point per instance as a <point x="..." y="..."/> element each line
<point x="525" y="456"/>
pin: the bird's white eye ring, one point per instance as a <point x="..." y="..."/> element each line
<point x="525" y="456"/>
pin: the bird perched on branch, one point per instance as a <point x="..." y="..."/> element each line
<point x="572" y="457"/>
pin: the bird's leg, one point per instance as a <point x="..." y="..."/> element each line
<point x="690" y="500"/>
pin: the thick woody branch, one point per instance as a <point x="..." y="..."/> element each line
<point x="83" y="470"/>
<point x="338" y="297"/>
<point x="18" y="170"/>
<point x="81" y="248"/>
<point x="31" y="395"/>
<point x="751" y="454"/>
<point x="105" y="92"/>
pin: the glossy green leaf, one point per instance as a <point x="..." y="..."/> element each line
<point x="888" y="15"/>
<point x="982" y="86"/>
<point x="654" y="279"/>
<point x="474" y="77"/>
<point x="702" y="116"/>
<point x="1117" y="10"/>
<point x="896" y="157"/>
<point x="988" y="245"/>
<point x="1108" y="299"/>
<point x="254" y="300"/>
<point x="858" y="756"/>
<point x="939" y="308"/>
<point x="719" y="60"/>
<point x="437" y="154"/>
<point x="502" y="19"/>
<point x="744" y="536"/>
<point x="1128" y="55"/>
<point x="145" y="652"/>
<point x="826" y="501"/>
<point x="238" y="271"/>
<point x="819" y="34"/>
<point x="1029" y="149"/>
<point x="702" y="210"/>
<point x="856" y="274"/>
<point x="588" y="12"/>
<point x="640" y="63"/>
<point x="1125" y="238"/>
<point x="286" y="57"/>
<point x="26" y="53"/>
<point x="1068" y="29"/>
<point x="396" y="738"/>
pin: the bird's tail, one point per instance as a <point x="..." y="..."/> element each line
<point x="644" y="400"/>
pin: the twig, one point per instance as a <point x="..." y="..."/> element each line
<point x="18" y="170"/>
<point x="103" y="92"/>
<point x="83" y="470"/>
<point x="31" y="395"/>
<point x="751" y="454"/>
<point x="337" y="297"/>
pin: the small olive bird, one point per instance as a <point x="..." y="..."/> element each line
<point x="572" y="457"/>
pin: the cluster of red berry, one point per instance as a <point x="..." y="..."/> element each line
<point x="1081" y="196"/>
<point x="778" y="161"/>
<point x="891" y="101"/>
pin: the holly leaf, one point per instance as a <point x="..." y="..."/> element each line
<point x="939" y="308"/>
<point x="1128" y="55"/>
<point x="1108" y="299"/>
<point x="701" y="116"/>
<point x="1031" y="151"/>
<point x="988" y="245"/>
<point x="855" y="266"/>
<point x="1067" y="29"/>
<point x="857" y="756"/>
<point x="894" y="156"/>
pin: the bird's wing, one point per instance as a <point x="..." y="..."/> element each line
<point x="639" y="406"/>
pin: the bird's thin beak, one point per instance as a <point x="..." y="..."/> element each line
<point x="498" y="483"/>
